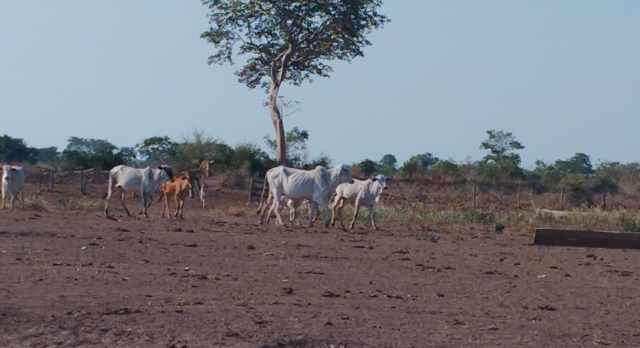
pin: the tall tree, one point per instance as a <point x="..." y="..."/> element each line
<point x="288" y="41"/>
<point x="502" y="159"/>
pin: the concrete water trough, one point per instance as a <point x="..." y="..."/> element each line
<point x="586" y="238"/>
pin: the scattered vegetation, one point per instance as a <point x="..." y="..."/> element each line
<point x="619" y="220"/>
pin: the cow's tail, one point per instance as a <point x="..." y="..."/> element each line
<point x="264" y="187"/>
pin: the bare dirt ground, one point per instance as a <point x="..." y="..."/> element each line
<point x="219" y="279"/>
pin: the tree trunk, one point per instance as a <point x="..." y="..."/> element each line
<point x="278" y="125"/>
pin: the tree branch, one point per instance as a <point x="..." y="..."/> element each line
<point x="284" y="62"/>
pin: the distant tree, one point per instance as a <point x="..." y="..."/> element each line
<point x="426" y="160"/>
<point x="578" y="164"/>
<point x="14" y="150"/>
<point x="87" y="146"/>
<point x="156" y="150"/>
<point x="418" y="164"/>
<point x="90" y="153"/>
<point x="387" y="164"/>
<point x="389" y="161"/>
<point x="129" y="156"/>
<point x="409" y="168"/>
<point x="549" y="174"/>
<point x="288" y="41"/>
<point x="222" y="156"/>
<point x="251" y="158"/>
<point x="296" y="143"/>
<point x="502" y="160"/>
<point x="193" y="149"/>
<point x="447" y="168"/>
<point x="49" y="155"/>
<point x="367" y="167"/>
<point x="323" y="160"/>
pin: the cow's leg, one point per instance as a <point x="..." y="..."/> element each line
<point x="13" y="202"/>
<point x="276" y="202"/>
<point x="325" y="209"/>
<point x="264" y="209"/>
<point x="373" y="223"/>
<point x="181" y="202"/>
<point x="292" y="211"/>
<point x="177" y="203"/>
<point x="122" y="197"/>
<point x="106" y="207"/>
<point x="146" y="196"/>
<point x="333" y="210"/>
<point x="356" y="207"/>
<point x="317" y="215"/>
<point x="321" y="202"/>
<point x="271" y="212"/>
<point x="340" y="207"/>
<point x="165" y="206"/>
<point x="312" y="205"/>
<point x="296" y="216"/>
<point x="3" y="195"/>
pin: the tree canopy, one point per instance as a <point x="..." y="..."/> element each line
<point x="501" y="161"/>
<point x="288" y="41"/>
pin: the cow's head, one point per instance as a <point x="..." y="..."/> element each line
<point x="344" y="175"/>
<point x="165" y="168"/>
<point x="382" y="181"/>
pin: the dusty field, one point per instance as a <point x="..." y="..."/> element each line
<point x="219" y="279"/>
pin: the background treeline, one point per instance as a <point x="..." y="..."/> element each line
<point x="578" y="177"/>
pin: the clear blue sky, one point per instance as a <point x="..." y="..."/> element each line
<point x="564" y="76"/>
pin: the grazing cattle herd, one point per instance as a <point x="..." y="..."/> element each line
<point x="316" y="187"/>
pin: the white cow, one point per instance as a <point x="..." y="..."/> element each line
<point x="313" y="185"/>
<point x="363" y="193"/>
<point x="13" y="178"/>
<point x="146" y="180"/>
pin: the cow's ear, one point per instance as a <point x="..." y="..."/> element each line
<point x="160" y="167"/>
<point x="13" y="169"/>
<point x="375" y="179"/>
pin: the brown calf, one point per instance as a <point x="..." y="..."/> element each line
<point x="179" y="188"/>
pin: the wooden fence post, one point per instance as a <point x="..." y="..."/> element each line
<point x="518" y="200"/>
<point x="51" y="180"/>
<point x="250" y="189"/>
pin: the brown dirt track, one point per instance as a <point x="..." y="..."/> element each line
<point x="80" y="280"/>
